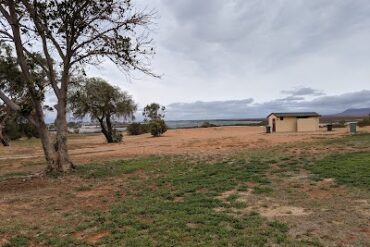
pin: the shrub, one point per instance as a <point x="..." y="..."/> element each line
<point x="117" y="136"/>
<point x="207" y="125"/>
<point x="364" y="122"/>
<point x="157" y="127"/>
<point x="17" y="127"/>
<point x="137" y="129"/>
<point x="13" y="131"/>
<point x="30" y="131"/>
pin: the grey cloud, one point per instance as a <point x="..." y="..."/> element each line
<point x="217" y="50"/>
<point x="248" y="109"/>
<point x="291" y="98"/>
<point x="270" y="32"/>
<point x="359" y="99"/>
<point x="305" y="91"/>
<point x="207" y="110"/>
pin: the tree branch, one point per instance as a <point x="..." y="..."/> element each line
<point x="41" y="31"/>
<point x="4" y="12"/>
<point x="42" y="28"/>
<point x="9" y="102"/>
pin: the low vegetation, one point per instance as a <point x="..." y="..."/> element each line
<point x="166" y="202"/>
<point x="14" y="126"/>
<point x="256" y="197"/>
<point x="207" y="125"/>
<point x="154" y="116"/>
<point x="364" y="122"/>
<point x="350" y="169"/>
<point x="135" y="129"/>
<point x="157" y="127"/>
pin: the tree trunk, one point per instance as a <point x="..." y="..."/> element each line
<point x="63" y="162"/>
<point x="109" y="128"/>
<point x="105" y="131"/>
<point x="3" y="139"/>
<point x="44" y="136"/>
<point x="38" y="117"/>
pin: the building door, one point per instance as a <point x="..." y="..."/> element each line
<point x="273" y="125"/>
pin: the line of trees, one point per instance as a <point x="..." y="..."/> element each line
<point x="49" y="42"/>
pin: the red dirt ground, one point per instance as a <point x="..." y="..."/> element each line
<point x="90" y="148"/>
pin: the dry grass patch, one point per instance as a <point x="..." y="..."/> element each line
<point x="258" y="197"/>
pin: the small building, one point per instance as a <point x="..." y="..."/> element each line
<point x="293" y="121"/>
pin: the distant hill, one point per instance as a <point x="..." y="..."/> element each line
<point x="359" y="112"/>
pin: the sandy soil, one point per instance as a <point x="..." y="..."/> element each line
<point x="89" y="148"/>
<point x="335" y="213"/>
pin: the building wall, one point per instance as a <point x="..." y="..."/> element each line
<point x="294" y="124"/>
<point x="270" y="120"/>
<point x="288" y="124"/>
<point x="307" y="124"/>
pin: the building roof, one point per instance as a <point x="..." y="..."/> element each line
<point x="295" y="114"/>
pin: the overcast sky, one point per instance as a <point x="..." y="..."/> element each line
<point x="246" y="58"/>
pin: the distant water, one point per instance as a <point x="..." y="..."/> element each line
<point x="197" y="123"/>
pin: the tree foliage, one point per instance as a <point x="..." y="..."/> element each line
<point x="137" y="128"/>
<point x="157" y="127"/>
<point x="61" y="37"/>
<point x="100" y="101"/>
<point x="154" y="115"/>
<point x="12" y="86"/>
<point x="13" y="126"/>
<point x="154" y="111"/>
<point x="16" y="117"/>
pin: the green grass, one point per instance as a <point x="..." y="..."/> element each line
<point x="351" y="168"/>
<point x="18" y="241"/>
<point x="150" y="215"/>
<point x="358" y="140"/>
<point x="112" y="168"/>
<point x="13" y="175"/>
<point x="26" y="142"/>
<point x="262" y="190"/>
<point x="171" y="201"/>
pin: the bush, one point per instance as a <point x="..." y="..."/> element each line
<point x="157" y="127"/>
<point x="364" y="122"/>
<point x="135" y="129"/>
<point x="13" y="131"/>
<point x="117" y="136"/>
<point x="207" y="125"/>
<point x="17" y="127"/>
<point x="30" y="131"/>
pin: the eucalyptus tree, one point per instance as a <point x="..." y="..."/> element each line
<point x="154" y="115"/>
<point x="101" y="101"/>
<point x="68" y="35"/>
<point x="153" y="111"/>
<point x="16" y="113"/>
